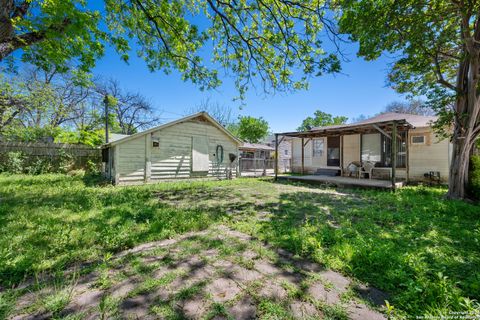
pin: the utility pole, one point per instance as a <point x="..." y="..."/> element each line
<point x="106" y="102"/>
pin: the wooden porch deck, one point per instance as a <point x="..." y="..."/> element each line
<point x="345" y="181"/>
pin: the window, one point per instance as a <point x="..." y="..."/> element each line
<point x="372" y="147"/>
<point x="286" y="152"/>
<point x="377" y="148"/>
<point x="401" y="151"/>
<point x="155" y="143"/>
<point x="317" y="149"/>
<point x="418" y="139"/>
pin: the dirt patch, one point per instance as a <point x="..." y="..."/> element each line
<point x="215" y="273"/>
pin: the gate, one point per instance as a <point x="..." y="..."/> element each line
<point x="256" y="167"/>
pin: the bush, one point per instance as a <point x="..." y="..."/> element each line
<point x="13" y="162"/>
<point x="92" y="167"/>
<point x="474" y="181"/>
<point x="66" y="162"/>
<point x="39" y="166"/>
<point x="17" y="162"/>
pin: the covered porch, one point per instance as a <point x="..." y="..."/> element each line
<point x="340" y="181"/>
<point x="331" y="149"/>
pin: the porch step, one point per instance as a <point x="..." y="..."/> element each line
<point x="327" y="172"/>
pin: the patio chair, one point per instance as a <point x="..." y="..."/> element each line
<point x="366" y="169"/>
<point x="352" y="169"/>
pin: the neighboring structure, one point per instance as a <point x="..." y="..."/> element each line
<point x="196" y="146"/>
<point x="329" y="150"/>
<point x="256" y="150"/>
<point x="284" y="153"/>
<point x="256" y="159"/>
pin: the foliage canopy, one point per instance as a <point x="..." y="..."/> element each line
<point x="321" y="119"/>
<point x="249" y="129"/>
<point x="264" y="40"/>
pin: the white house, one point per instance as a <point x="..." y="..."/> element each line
<point x="195" y="146"/>
<point x="329" y="150"/>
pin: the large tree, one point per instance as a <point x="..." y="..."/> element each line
<point x="223" y="114"/>
<point x="12" y="102"/>
<point x="437" y="45"/>
<point x="414" y="106"/>
<point x="250" y="129"/>
<point x="132" y="112"/>
<point x="321" y="119"/>
<point x="263" y="40"/>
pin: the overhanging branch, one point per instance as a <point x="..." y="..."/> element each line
<point x="27" y="39"/>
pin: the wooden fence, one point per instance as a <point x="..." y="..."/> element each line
<point x="80" y="154"/>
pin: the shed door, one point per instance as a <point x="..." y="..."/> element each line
<point x="200" y="159"/>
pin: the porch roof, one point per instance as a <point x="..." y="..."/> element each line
<point x="353" y="128"/>
<point x="255" y="147"/>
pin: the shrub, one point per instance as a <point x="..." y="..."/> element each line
<point x="474" y="181"/>
<point x="13" y="162"/>
<point x="92" y="167"/>
<point x="66" y="162"/>
<point x="39" y="165"/>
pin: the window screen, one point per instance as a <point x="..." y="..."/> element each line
<point x="317" y="149"/>
<point x="372" y="147"/>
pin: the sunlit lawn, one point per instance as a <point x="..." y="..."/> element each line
<point x="423" y="250"/>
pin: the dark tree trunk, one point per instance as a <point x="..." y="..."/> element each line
<point x="458" y="178"/>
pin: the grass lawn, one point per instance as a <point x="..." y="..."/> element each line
<point x="423" y="250"/>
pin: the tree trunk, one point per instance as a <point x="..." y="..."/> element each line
<point x="6" y="28"/>
<point x="458" y="177"/>
<point x="467" y="113"/>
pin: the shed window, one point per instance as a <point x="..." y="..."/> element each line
<point x="286" y="152"/>
<point x="418" y="139"/>
<point x="317" y="149"/>
<point x="155" y="143"/>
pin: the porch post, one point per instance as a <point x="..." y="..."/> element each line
<point x="276" y="156"/>
<point x="394" y="153"/>
<point x="341" y="155"/>
<point x="407" y="156"/>
<point x="303" y="157"/>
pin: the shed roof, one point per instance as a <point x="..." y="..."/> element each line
<point x="116" y="136"/>
<point x="202" y="114"/>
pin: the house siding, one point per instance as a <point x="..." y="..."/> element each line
<point x="351" y="149"/>
<point x="172" y="159"/>
<point x="311" y="163"/>
<point x="432" y="156"/>
<point x="131" y="160"/>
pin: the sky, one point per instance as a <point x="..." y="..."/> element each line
<point x="359" y="89"/>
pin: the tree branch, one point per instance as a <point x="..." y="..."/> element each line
<point x="440" y="77"/>
<point x="11" y="44"/>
